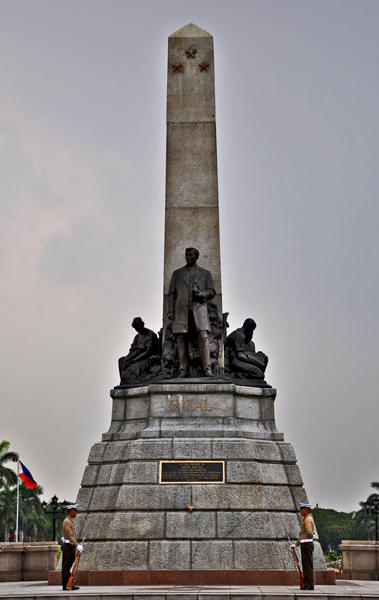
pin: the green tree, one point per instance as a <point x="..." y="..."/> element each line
<point x="31" y="515"/>
<point x="363" y="526"/>
<point x="365" y="523"/>
<point x="7" y="475"/>
<point x="35" y="525"/>
<point x="7" y="510"/>
<point x="33" y="521"/>
<point x="30" y="508"/>
<point x="333" y="526"/>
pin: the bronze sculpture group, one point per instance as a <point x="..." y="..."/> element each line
<point x="194" y="343"/>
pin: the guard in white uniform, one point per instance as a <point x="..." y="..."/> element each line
<point x="305" y="541"/>
<point x="70" y="544"/>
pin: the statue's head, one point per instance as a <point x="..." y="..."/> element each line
<point x="192" y="254"/>
<point x="138" y="324"/>
<point x="249" y="325"/>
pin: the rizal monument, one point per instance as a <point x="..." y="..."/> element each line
<point x="192" y="483"/>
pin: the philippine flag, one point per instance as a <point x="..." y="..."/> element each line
<point x="26" y="476"/>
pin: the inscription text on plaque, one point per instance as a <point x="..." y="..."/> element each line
<point x="192" y="471"/>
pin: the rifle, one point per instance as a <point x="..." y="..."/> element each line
<point x="70" y="583"/>
<point x="300" y="572"/>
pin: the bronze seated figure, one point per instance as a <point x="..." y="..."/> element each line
<point x="143" y="360"/>
<point x="242" y="361"/>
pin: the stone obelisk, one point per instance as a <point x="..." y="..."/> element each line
<point x="192" y="483"/>
<point x="191" y="163"/>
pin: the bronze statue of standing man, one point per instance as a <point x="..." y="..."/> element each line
<point x="191" y="287"/>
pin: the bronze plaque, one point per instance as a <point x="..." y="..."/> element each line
<point x="192" y="471"/>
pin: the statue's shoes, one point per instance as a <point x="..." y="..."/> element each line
<point x="208" y="373"/>
<point x="183" y="373"/>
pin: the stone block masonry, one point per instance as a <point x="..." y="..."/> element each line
<point x="240" y="524"/>
<point x="216" y="410"/>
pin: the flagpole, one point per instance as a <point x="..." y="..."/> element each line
<point x="18" y="498"/>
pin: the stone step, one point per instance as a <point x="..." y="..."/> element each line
<point x="346" y="590"/>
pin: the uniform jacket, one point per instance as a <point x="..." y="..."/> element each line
<point x="69" y="531"/>
<point x="180" y="300"/>
<point x="308" y="530"/>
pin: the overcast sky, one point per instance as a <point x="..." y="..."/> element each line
<point x="82" y="180"/>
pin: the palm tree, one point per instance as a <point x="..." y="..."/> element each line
<point x="35" y="525"/>
<point x="7" y="509"/>
<point x="7" y="475"/>
<point x="362" y="523"/>
<point x="30" y="510"/>
<point x="32" y="519"/>
<point x="365" y="523"/>
<point x="30" y="498"/>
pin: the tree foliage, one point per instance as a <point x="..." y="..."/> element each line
<point x="35" y="524"/>
<point x="365" y="522"/>
<point x="334" y="526"/>
<point x="7" y="475"/>
<point x="30" y="508"/>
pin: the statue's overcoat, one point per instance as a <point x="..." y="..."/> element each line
<point x="180" y="300"/>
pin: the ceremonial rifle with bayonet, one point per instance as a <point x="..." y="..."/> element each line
<point x="300" y="572"/>
<point x="70" y="583"/>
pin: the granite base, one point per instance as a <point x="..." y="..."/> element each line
<point x="193" y="577"/>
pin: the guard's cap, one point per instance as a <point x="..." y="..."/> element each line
<point x="305" y="505"/>
<point x="74" y="506"/>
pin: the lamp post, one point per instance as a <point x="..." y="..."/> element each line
<point x="55" y="508"/>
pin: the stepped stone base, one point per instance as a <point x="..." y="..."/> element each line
<point x="190" y="577"/>
<point x="134" y="524"/>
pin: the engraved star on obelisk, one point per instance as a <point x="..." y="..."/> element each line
<point x="204" y="66"/>
<point x="176" y="67"/>
<point x="191" y="52"/>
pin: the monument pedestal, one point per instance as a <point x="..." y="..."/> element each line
<point x="192" y="409"/>
<point x="141" y="531"/>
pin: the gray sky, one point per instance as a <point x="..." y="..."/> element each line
<point x="82" y="174"/>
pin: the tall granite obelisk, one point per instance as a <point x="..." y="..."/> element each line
<point x="191" y="162"/>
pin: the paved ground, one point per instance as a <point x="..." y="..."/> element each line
<point x="347" y="590"/>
